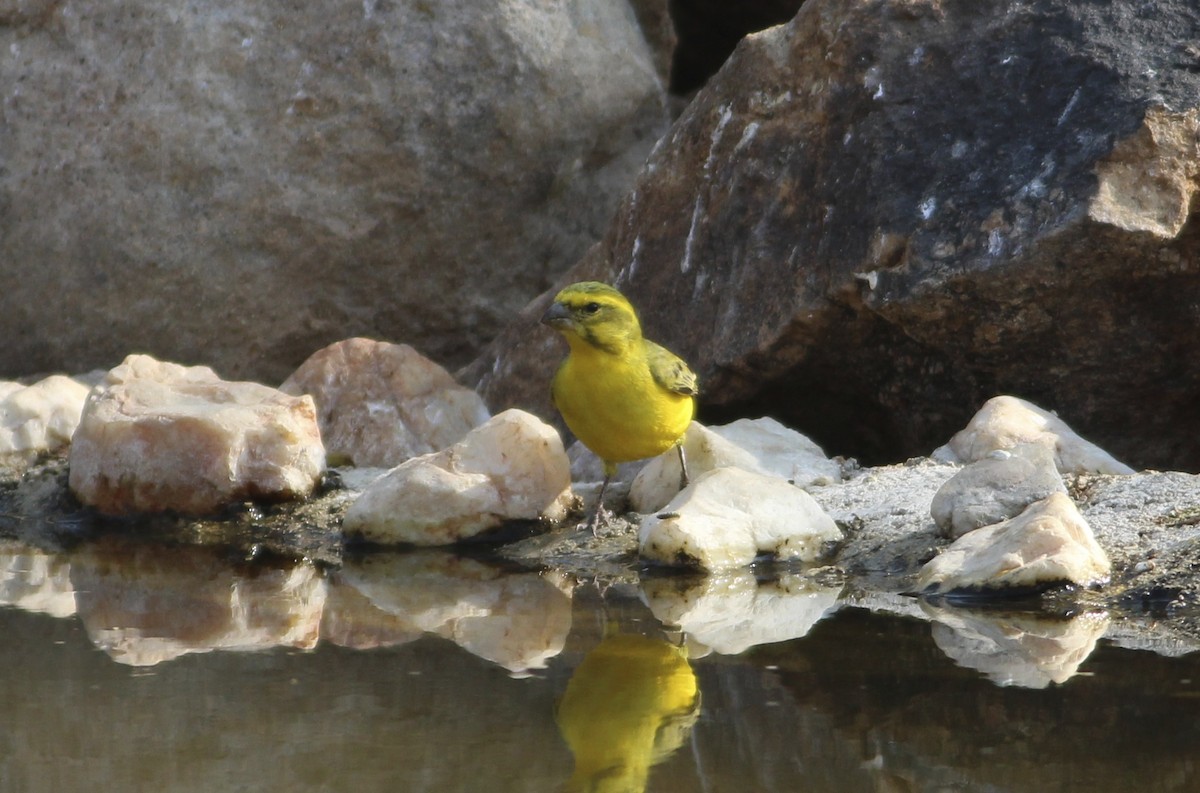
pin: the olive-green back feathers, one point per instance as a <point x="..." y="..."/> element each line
<point x="670" y="371"/>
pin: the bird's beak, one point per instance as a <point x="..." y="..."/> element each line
<point x="557" y="316"/>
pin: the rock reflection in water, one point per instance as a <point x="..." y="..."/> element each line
<point x="516" y="620"/>
<point x="865" y="701"/>
<point x="630" y="703"/>
<point x="733" y="612"/>
<point x="918" y="721"/>
<point x="1030" y="650"/>
<point x="34" y="580"/>
<point x="352" y="620"/>
<point x="145" y="604"/>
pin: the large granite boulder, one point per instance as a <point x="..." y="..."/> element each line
<point x="242" y="186"/>
<point x="882" y="213"/>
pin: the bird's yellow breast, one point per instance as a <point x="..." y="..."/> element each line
<point x="613" y="404"/>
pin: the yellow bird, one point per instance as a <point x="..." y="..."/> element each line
<point x="625" y="397"/>
<point x="631" y="702"/>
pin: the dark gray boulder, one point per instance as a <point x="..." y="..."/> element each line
<point x="880" y="214"/>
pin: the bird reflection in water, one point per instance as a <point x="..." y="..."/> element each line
<point x="629" y="705"/>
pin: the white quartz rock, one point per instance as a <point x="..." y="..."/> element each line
<point x="513" y="467"/>
<point x="729" y="516"/>
<point x="761" y="445"/>
<point x="40" y="417"/>
<point x="1049" y="543"/>
<point x="1006" y="421"/>
<point x="157" y="436"/>
<point x="995" y="488"/>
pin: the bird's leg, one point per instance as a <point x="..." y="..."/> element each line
<point x="683" y="474"/>
<point x="595" y="520"/>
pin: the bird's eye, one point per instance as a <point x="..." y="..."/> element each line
<point x="591" y="308"/>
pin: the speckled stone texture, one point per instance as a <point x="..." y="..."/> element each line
<point x="241" y="184"/>
<point x="881" y="214"/>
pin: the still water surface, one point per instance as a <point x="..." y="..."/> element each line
<point x="130" y="667"/>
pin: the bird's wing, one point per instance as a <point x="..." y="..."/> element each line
<point x="669" y="370"/>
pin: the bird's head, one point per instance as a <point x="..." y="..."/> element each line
<point x="595" y="314"/>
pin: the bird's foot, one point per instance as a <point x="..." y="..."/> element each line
<point x="600" y="518"/>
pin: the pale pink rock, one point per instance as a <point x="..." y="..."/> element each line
<point x="157" y="436"/>
<point x="379" y="404"/>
